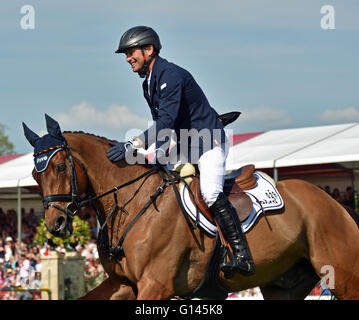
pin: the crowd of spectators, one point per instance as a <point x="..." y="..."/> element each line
<point x="347" y="198"/>
<point x="20" y="266"/>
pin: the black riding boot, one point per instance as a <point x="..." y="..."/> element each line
<point x="226" y="216"/>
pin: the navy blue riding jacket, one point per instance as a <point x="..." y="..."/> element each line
<point x="177" y="102"/>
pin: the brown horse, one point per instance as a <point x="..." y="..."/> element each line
<point x="162" y="257"/>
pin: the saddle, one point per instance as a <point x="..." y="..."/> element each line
<point x="234" y="186"/>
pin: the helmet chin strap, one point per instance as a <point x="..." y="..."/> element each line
<point x="143" y="72"/>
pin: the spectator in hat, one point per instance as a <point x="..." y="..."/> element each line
<point x="10" y="278"/>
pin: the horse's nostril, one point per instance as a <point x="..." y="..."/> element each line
<point x="59" y="223"/>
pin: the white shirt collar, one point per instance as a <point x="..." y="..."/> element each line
<point x="148" y="82"/>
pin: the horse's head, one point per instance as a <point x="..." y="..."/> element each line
<point x="62" y="178"/>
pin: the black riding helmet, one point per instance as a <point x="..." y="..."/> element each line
<point x="140" y="36"/>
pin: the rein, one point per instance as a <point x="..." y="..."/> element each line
<point x="115" y="189"/>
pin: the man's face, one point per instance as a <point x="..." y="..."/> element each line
<point x="135" y="58"/>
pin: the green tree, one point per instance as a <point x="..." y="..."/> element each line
<point x="6" y="147"/>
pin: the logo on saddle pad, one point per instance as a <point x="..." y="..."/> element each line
<point x="271" y="198"/>
<point x="264" y="191"/>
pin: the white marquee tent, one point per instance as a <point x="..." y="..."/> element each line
<point x="297" y="147"/>
<point x="17" y="172"/>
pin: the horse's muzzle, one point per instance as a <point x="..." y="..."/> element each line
<point x="62" y="226"/>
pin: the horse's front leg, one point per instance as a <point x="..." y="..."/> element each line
<point x="111" y="290"/>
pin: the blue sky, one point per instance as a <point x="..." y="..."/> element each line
<point x="271" y="60"/>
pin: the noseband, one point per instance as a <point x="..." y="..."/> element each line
<point x="73" y="198"/>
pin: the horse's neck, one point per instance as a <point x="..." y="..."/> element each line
<point x="102" y="173"/>
<point x="91" y="151"/>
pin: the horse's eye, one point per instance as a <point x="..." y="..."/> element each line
<point x="61" y="167"/>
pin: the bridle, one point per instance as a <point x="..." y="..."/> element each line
<point x="73" y="198"/>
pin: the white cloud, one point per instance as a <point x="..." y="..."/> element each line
<point x="349" y="114"/>
<point x="266" y="117"/>
<point x="115" y="117"/>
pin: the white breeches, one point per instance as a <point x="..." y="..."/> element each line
<point x="212" y="167"/>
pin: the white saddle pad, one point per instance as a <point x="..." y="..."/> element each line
<point x="264" y="190"/>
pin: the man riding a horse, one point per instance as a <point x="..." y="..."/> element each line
<point x="147" y="248"/>
<point x="177" y="103"/>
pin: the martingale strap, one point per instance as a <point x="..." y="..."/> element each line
<point x="90" y="200"/>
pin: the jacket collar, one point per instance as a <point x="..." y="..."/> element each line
<point x="154" y="72"/>
<point x="156" y="66"/>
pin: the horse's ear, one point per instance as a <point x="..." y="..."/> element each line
<point x="31" y="136"/>
<point x="53" y="127"/>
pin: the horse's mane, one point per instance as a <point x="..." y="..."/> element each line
<point x="102" y="139"/>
